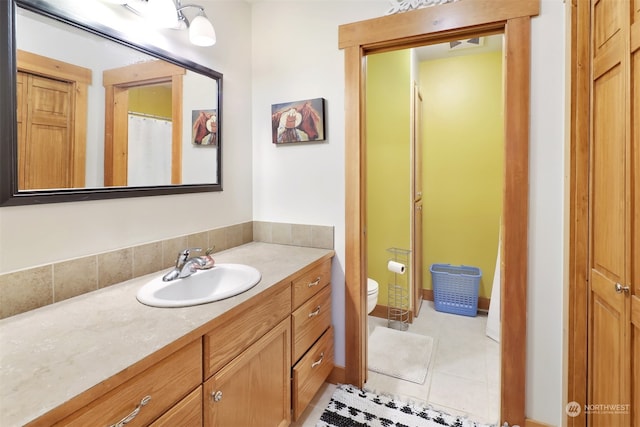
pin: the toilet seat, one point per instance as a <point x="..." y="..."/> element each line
<point x="372" y="287"/>
<point x="372" y="295"/>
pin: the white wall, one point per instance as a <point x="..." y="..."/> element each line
<point x="40" y="234"/>
<point x="546" y="211"/>
<point x="295" y="56"/>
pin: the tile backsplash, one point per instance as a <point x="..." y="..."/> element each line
<point x="35" y="287"/>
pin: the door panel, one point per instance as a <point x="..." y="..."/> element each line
<point x="635" y="337"/>
<point x="607" y="22"/>
<point x="609" y="338"/>
<point x="608" y="175"/>
<point x="47" y="158"/>
<point x="417" y="259"/>
<point x="608" y="350"/>
<point x="21" y="98"/>
<point x="635" y="245"/>
<point x="416" y="114"/>
<point x="416" y="236"/>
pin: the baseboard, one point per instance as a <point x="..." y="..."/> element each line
<point x="532" y="423"/>
<point x="483" y="303"/>
<point x="382" y="312"/>
<point x="338" y="375"/>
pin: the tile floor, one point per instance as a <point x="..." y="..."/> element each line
<point x="463" y="376"/>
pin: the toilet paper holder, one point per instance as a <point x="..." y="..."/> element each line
<point x="396" y="267"/>
<point x="398" y="289"/>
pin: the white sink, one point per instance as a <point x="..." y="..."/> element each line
<point x="220" y="282"/>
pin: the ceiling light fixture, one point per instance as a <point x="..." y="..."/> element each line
<point x="170" y="14"/>
<point x="201" y="31"/>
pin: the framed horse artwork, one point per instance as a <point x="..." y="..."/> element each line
<point x="298" y="121"/>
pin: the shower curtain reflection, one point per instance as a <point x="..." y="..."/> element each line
<point x="149" y="154"/>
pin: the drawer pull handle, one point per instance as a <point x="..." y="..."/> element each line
<point x="217" y="396"/>
<point x="314" y="283"/>
<point x="315" y="312"/>
<point x="133" y="414"/>
<point x="319" y="361"/>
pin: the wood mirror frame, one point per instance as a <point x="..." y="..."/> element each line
<point x="10" y="195"/>
<point x="430" y="25"/>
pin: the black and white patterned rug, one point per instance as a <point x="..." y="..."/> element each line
<point x="352" y="407"/>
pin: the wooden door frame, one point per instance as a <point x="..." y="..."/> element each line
<point x="116" y="84"/>
<point x="416" y="154"/>
<point x="578" y="220"/>
<point x="427" y="26"/>
<point x="80" y="79"/>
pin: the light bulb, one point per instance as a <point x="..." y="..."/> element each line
<point x="201" y="32"/>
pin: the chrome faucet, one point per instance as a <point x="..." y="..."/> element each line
<point x="185" y="266"/>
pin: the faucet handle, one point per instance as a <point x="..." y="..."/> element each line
<point x="183" y="256"/>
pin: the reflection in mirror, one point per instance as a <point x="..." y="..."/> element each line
<point x="96" y="118"/>
<point x="140" y="146"/>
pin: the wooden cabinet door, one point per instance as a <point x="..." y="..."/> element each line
<point x="254" y="389"/>
<point x="609" y="352"/>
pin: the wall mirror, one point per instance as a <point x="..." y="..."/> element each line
<point x="92" y="114"/>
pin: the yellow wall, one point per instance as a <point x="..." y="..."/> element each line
<point x="160" y="95"/>
<point x="463" y="162"/>
<point x="388" y="161"/>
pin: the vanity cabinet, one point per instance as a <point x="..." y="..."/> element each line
<point x="312" y="335"/>
<point x="259" y="363"/>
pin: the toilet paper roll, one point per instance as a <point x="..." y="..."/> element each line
<point x="396" y="267"/>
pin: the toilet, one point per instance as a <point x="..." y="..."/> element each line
<point x="372" y="295"/>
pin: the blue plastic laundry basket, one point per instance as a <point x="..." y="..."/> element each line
<point x="455" y="288"/>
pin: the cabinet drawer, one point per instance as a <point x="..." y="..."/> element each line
<point x="165" y="383"/>
<point x="186" y="413"/>
<point x="311" y="283"/>
<point x="228" y="340"/>
<point x="311" y="372"/>
<point x="310" y="321"/>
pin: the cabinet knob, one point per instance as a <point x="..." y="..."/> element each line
<point x="216" y="396"/>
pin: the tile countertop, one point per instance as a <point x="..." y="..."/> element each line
<point x="54" y="353"/>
